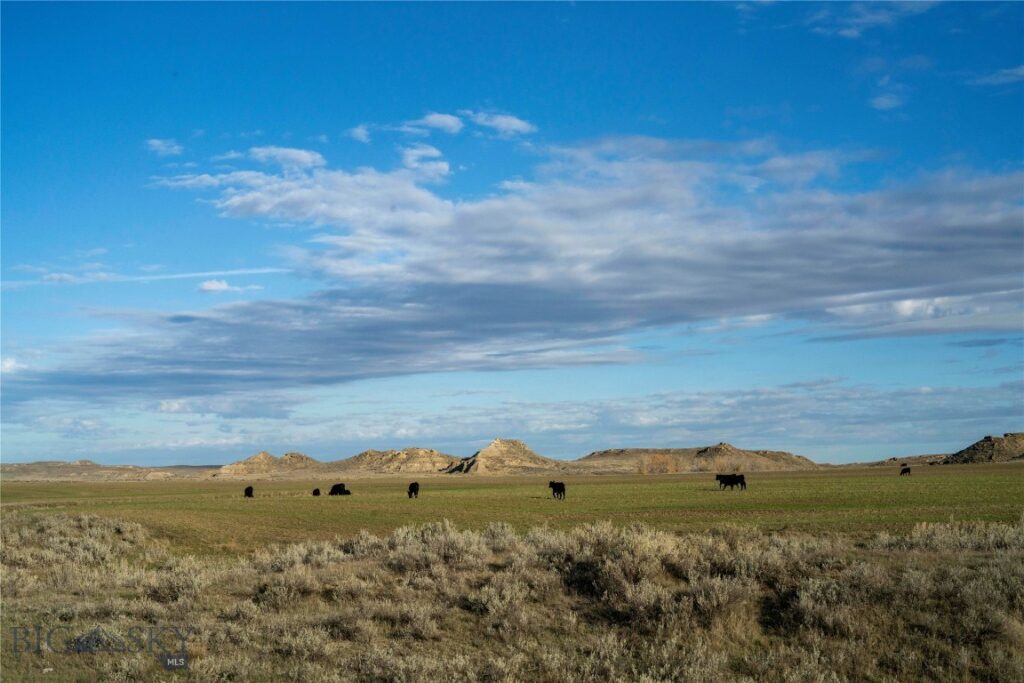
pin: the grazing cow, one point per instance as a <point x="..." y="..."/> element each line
<point x="905" y="470"/>
<point x="557" y="489"/>
<point x="732" y="481"/>
<point x="316" y="492"/>
<point x="339" y="490"/>
<point x="414" y="490"/>
<point x="248" y="492"/>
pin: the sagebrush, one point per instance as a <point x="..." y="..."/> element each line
<point x="598" y="602"/>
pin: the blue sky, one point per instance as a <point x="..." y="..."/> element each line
<point x="329" y="227"/>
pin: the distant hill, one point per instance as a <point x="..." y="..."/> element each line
<point x="504" y="456"/>
<point x="721" y="457"/>
<point x="411" y="460"/>
<point x="923" y="459"/>
<point x="1009" y="446"/>
<point x="87" y="470"/>
<point x="500" y="457"/>
<point x="265" y="463"/>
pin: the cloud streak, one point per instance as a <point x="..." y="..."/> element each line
<point x="505" y="125"/>
<point x="221" y="286"/>
<point x="1001" y="77"/>
<point x="449" y="123"/>
<point x="610" y="238"/>
<point x="164" y="147"/>
<point x="287" y="156"/>
<point x="103" y="277"/>
<point x="853" y="20"/>
<point x="821" y="418"/>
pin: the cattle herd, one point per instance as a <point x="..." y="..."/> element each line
<point x="730" y="481"/>
<point x="557" y="487"/>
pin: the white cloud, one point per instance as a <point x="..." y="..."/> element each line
<point x="164" y="147"/>
<point x="287" y="156"/>
<point x="1001" y="77"/>
<point x="800" y="168"/>
<point x="101" y="276"/>
<point x="506" y="125"/>
<point x="360" y="133"/>
<point x="606" y="240"/>
<point x="218" y="286"/>
<point x="869" y="421"/>
<point x="887" y="101"/>
<point x="425" y="160"/>
<point x="448" y="123"/>
<point x="72" y="426"/>
<point x="640" y="220"/>
<point x="228" y="406"/>
<point x="60" y="277"/>
<point x="9" y="365"/>
<point x="854" y="19"/>
<point x="231" y="155"/>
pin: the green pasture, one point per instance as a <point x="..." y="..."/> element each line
<point x="212" y="516"/>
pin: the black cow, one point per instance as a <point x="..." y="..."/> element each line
<point x="414" y="490"/>
<point x="732" y="481"/>
<point x="316" y="492"/>
<point x="339" y="490"/>
<point x="905" y="470"/>
<point x="557" y="489"/>
<point x="248" y="492"/>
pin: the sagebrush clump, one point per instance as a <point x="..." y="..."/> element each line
<point x="598" y="602"/>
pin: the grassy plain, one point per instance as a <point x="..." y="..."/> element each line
<point x="213" y="517"/>
<point x="833" y="575"/>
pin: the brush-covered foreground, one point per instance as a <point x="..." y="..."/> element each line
<point x="941" y="602"/>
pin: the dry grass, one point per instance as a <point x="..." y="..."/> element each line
<point x="597" y="602"/>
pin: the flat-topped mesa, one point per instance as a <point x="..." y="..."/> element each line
<point x="718" y="457"/>
<point x="411" y="460"/>
<point x="1009" y="446"/>
<point x="504" y="456"/>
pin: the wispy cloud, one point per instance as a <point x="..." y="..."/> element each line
<point x="883" y="420"/>
<point x="360" y="133"/>
<point x="166" y="147"/>
<point x="506" y="125"/>
<point x="887" y="101"/>
<point x="9" y="365"/>
<point x="855" y="19"/>
<point x="104" y="277"/>
<point x="221" y="286"/>
<point x="449" y="123"/>
<point x="231" y="155"/>
<point x="1001" y="77"/>
<point x="230" y="406"/>
<point x="610" y="238"/>
<point x="287" y="156"/>
<point x="425" y="160"/>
